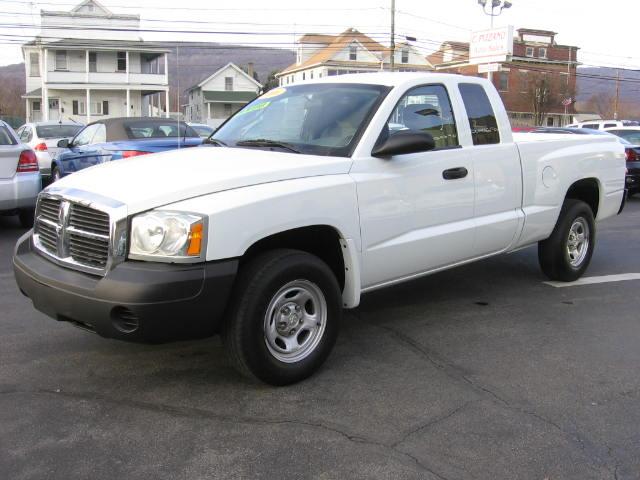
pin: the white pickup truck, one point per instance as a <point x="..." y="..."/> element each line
<point x="310" y="196"/>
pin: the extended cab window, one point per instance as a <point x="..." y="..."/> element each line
<point x="482" y="119"/>
<point x="426" y="109"/>
<point x="85" y="136"/>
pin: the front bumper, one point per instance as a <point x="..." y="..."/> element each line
<point x="20" y="191"/>
<point x="136" y="301"/>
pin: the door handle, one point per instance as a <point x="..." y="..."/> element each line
<point x="454" y="173"/>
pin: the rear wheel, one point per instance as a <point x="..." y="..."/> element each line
<point x="566" y="254"/>
<point x="55" y="174"/>
<point x="284" y="317"/>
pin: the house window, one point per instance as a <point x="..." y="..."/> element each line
<point x="122" y="61"/>
<point x="36" y="106"/>
<point x="524" y="81"/>
<point x="303" y="75"/>
<point x="227" y="109"/>
<point x="353" y="52"/>
<point x="34" y="64"/>
<point x="61" y="59"/>
<point x="311" y="75"/>
<point x="96" y="108"/>
<point x="93" y="61"/>
<point x="542" y="53"/>
<point x="228" y="84"/>
<point x="105" y="107"/>
<point x="504" y="81"/>
<point x="529" y="52"/>
<point x="405" y="56"/>
<point x="78" y="107"/>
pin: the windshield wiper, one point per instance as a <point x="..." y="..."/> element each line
<point x="263" y="142"/>
<point x="215" y="141"/>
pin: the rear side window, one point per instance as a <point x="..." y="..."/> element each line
<point x="592" y="126"/>
<point x="610" y="125"/>
<point x="57" y="131"/>
<point x="482" y="119"/>
<point x="154" y="129"/>
<point x="5" y="137"/>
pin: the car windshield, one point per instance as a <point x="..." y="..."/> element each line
<point x="57" y="131"/>
<point x="5" y="137"/>
<point x="202" y="130"/>
<point x="317" y="119"/>
<point x="153" y="129"/>
<point x="631" y="136"/>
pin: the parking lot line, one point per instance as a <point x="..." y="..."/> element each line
<point x="621" y="277"/>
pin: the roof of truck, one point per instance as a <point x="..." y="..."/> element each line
<point x="391" y="79"/>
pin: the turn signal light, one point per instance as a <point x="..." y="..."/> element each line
<point x="27" y="162"/>
<point x="631" y="155"/>
<point x="41" y="147"/>
<point x="195" y="240"/>
<point x="132" y="153"/>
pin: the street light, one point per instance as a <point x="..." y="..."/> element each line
<point x="500" y="4"/>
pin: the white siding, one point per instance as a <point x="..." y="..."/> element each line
<point x="240" y="82"/>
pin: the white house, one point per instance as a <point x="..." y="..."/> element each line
<point x="90" y="63"/>
<point x="320" y="55"/>
<point x="220" y="95"/>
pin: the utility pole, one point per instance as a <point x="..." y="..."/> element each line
<point x="615" y="110"/>
<point x="393" y="34"/>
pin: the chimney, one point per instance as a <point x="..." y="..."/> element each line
<point x="250" y="69"/>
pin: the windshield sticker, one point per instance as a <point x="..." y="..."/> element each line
<point x="274" y="93"/>
<point x="253" y="108"/>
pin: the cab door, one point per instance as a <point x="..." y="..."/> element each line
<point x="498" y="174"/>
<point x="416" y="210"/>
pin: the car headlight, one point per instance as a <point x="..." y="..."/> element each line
<point x="166" y="235"/>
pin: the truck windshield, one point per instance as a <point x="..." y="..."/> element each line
<point x="317" y="119"/>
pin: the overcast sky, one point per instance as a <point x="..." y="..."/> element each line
<point x="606" y="32"/>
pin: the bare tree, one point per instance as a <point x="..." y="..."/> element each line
<point x="541" y="96"/>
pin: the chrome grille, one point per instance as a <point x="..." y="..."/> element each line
<point x="72" y="234"/>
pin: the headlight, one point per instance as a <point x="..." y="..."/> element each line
<point x="170" y="235"/>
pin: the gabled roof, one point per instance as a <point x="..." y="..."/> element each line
<point x="100" y="11"/>
<point x="337" y="44"/>
<point x="96" y="5"/>
<point x="316" y="38"/>
<point x="220" y="70"/>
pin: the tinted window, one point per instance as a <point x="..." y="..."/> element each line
<point x="154" y="129"/>
<point x="592" y="126"/>
<point x="57" y="131"/>
<point x="5" y="137"/>
<point x="482" y="120"/>
<point x="609" y="125"/>
<point x="632" y="136"/>
<point x="86" y="135"/>
<point x="25" y="135"/>
<point x="630" y="123"/>
<point x="425" y="109"/>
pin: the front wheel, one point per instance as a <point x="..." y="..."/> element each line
<point x="566" y="254"/>
<point x="284" y="317"/>
<point x="55" y="174"/>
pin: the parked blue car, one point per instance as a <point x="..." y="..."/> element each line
<point x="117" y="138"/>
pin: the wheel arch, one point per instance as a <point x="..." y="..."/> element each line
<point x="327" y="243"/>
<point x="587" y="190"/>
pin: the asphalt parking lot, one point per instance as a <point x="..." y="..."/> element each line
<point x="483" y="372"/>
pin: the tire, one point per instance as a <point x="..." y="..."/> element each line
<point x="26" y="217"/>
<point x="266" y="337"/>
<point x="563" y="256"/>
<point x="55" y="175"/>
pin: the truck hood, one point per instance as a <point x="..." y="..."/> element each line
<point x="154" y="180"/>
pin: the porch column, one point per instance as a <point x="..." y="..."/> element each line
<point x="208" y="111"/>
<point x="45" y="66"/>
<point x="166" y="98"/>
<point x="26" y="111"/>
<point x="88" y="109"/>
<point x="126" y="56"/>
<point x="86" y="65"/>
<point x="44" y="107"/>
<point x="128" y="103"/>
<point x="166" y="68"/>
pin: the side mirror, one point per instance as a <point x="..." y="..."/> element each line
<point x="401" y="143"/>
<point x="64" y="143"/>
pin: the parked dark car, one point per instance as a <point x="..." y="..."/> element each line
<point x="118" y="138"/>
<point x="628" y="137"/>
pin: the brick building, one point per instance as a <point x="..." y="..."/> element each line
<point x="533" y="82"/>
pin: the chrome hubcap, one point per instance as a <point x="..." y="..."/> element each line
<point x="295" y="321"/>
<point x="578" y="242"/>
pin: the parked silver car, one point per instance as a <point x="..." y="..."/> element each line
<point x="20" y="180"/>
<point x="43" y="138"/>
